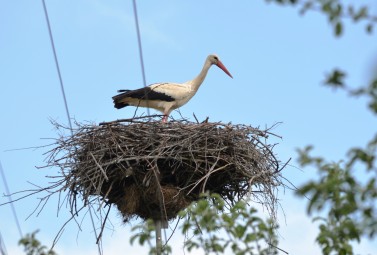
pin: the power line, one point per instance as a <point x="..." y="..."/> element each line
<point x="57" y="64"/>
<point x="63" y="94"/>
<point x="3" y="250"/>
<point x="8" y="194"/>
<point x="140" y="50"/>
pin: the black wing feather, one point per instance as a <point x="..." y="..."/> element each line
<point x="142" y="94"/>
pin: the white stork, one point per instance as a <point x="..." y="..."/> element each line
<point x="166" y="97"/>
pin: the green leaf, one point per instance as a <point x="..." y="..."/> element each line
<point x="338" y="28"/>
<point x="335" y="79"/>
<point x="362" y="13"/>
<point x="373" y="106"/>
<point x="240" y="231"/>
<point x="250" y="237"/>
<point x="369" y="28"/>
<point x="32" y="246"/>
<point x="307" y="6"/>
<point x="217" y="247"/>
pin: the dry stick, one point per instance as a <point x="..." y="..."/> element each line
<point x="130" y="119"/>
<point x="173" y="231"/>
<point x="58" y="235"/>
<point x="104" y="198"/>
<point x="99" y="166"/>
<point x="277" y="247"/>
<point x="103" y="225"/>
<point x="209" y="173"/>
<point x="207" y="176"/>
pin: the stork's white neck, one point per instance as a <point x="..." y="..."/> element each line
<point x="195" y="83"/>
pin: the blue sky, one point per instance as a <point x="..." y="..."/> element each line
<point x="278" y="60"/>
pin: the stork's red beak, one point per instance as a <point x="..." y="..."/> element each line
<point x="221" y="65"/>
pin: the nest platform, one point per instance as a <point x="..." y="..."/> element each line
<point x="150" y="169"/>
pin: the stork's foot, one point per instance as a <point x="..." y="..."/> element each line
<point x="165" y="119"/>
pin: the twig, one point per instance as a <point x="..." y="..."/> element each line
<point x="99" y="166"/>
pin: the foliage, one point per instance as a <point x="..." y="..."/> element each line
<point x="349" y="203"/>
<point x="32" y="246"/>
<point x="145" y="234"/>
<point x="336" y="79"/>
<point x="346" y="191"/>
<point x="215" y="229"/>
<point x="336" y="11"/>
<point x="343" y="197"/>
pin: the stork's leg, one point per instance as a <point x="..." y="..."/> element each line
<point x="166" y="115"/>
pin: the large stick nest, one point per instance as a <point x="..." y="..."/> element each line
<point x="153" y="170"/>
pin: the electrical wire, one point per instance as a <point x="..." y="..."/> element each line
<point x="140" y="51"/>
<point x="57" y="63"/>
<point x="8" y="194"/>
<point x="3" y="250"/>
<point x="63" y="94"/>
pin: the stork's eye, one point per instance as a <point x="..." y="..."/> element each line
<point x="216" y="58"/>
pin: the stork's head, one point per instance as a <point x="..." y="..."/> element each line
<point x="214" y="60"/>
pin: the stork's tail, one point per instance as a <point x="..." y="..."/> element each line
<point x="118" y="99"/>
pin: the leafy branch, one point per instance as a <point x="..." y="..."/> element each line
<point x="336" y="79"/>
<point x="336" y="12"/>
<point x="32" y="246"/>
<point x="215" y="229"/>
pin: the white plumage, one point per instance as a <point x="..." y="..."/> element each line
<point x="166" y="97"/>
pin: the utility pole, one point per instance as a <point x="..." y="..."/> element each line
<point x="158" y="227"/>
